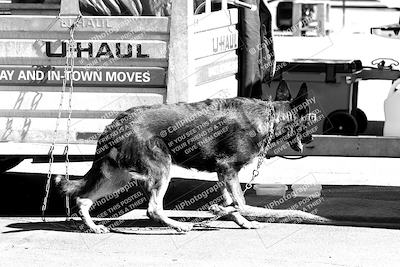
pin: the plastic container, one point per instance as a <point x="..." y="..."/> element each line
<point x="392" y="111"/>
<point x="307" y="190"/>
<point x="270" y="189"/>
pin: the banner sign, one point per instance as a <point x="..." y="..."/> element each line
<point x="83" y="76"/>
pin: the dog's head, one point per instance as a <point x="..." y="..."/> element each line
<point x="293" y="116"/>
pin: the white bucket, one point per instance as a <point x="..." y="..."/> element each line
<point x="392" y="111"/>
<point x="307" y="190"/>
<point x="270" y="189"/>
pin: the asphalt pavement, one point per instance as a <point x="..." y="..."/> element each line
<point x="28" y="242"/>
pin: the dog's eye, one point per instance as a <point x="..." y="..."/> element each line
<point x="288" y="117"/>
<point x="310" y="118"/>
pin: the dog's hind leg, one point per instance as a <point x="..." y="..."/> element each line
<point x="84" y="205"/>
<point x="158" y="163"/>
<point x="105" y="180"/>
<point x="233" y="195"/>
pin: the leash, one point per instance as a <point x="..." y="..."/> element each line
<point x="68" y="68"/>
<point x="266" y="142"/>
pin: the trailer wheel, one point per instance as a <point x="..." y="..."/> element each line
<point x="9" y="163"/>
<point x="361" y="118"/>
<point x="340" y="122"/>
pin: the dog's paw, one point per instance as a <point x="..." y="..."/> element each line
<point x="99" y="229"/>
<point x="252" y="225"/>
<point x="215" y="209"/>
<point x="183" y="227"/>
<point x="219" y="210"/>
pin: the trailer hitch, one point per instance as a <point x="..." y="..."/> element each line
<point x="380" y="63"/>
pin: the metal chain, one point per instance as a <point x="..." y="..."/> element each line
<point x="263" y="152"/>
<point x="69" y="62"/>
<point x="51" y="155"/>
<point x="72" y="45"/>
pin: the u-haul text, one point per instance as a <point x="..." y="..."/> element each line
<point x="76" y="75"/>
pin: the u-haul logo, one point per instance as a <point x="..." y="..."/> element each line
<point x="97" y="50"/>
<point x="93" y="23"/>
<point x="225" y="43"/>
<point x="217" y="41"/>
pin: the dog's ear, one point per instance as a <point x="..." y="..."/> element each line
<point x="301" y="97"/>
<point x="303" y="93"/>
<point x="283" y="92"/>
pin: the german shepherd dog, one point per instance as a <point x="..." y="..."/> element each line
<point x="216" y="135"/>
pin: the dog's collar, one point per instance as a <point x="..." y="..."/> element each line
<point x="271" y="111"/>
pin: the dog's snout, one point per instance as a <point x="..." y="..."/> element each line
<point x="308" y="139"/>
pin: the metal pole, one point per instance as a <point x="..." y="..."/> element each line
<point x="344" y="13"/>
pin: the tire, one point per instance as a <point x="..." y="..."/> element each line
<point x="9" y="163"/>
<point x="361" y="118"/>
<point x="340" y="122"/>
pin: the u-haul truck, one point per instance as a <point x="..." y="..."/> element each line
<point x="119" y="62"/>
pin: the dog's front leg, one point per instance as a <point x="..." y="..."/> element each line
<point x="228" y="203"/>
<point x="233" y="195"/>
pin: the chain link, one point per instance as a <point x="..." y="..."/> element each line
<point x="51" y="155"/>
<point x="263" y="152"/>
<point x="68" y="68"/>
<point x="72" y="45"/>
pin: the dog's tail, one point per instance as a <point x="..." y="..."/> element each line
<point x="69" y="187"/>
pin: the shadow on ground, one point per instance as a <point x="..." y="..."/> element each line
<point x="138" y="227"/>
<point x="360" y="206"/>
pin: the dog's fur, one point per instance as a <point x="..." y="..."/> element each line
<point x="141" y="144"/>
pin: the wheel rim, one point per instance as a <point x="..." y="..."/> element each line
<point x="361" y="118"/>
<point x="340" y="123"/>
